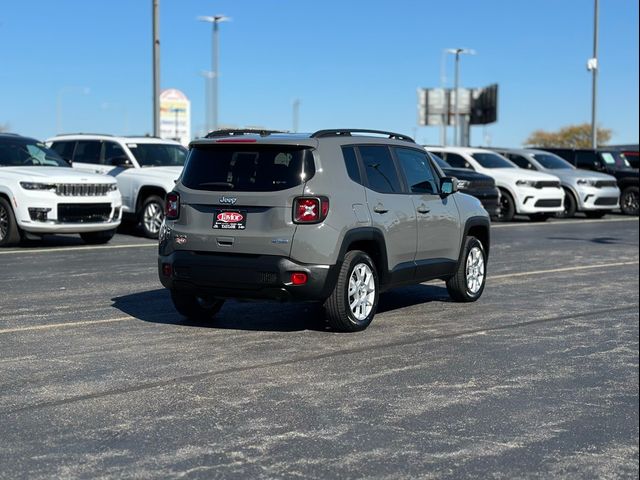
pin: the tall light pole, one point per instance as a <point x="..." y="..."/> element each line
<point x="457" y="52"/>
<point x="156" y="68"/>
<point x="443" y="85"/>
<point x="592" y="66"/>
<point x="215" y="73"/>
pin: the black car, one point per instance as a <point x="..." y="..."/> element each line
<point x="481" y="186"/>
<point x="609" y="161"/>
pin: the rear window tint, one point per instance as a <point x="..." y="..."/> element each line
<point x="243" y="168"/>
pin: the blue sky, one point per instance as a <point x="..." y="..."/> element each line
<point x="352" y="63"/>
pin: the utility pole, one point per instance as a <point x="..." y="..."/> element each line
<point x="456" y="125"/>
<point x="592" y="65"/>
<point x="156" y="69"/>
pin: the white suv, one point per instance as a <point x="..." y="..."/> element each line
<point x="146" y="168"/>
<point x="538" y="195"/>
<point x="40" y="193"/>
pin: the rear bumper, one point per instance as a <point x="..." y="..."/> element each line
<point x="260" y="277"/>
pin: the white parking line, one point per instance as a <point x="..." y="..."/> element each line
<point x="563" y="222"/>
<point x="565" y="269"/>
<point x="67" y="249"/>
<point x="68" y="324"/>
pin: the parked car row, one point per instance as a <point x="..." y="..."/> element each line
<point x="552" y="182"/>
<point x="113" y="179"/>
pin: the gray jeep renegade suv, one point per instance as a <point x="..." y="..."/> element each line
<point x="336" y="217"/>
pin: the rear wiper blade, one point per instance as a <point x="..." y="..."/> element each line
<point x="217" y="184"/>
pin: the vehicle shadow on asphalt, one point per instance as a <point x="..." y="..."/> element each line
<point x="154" y="306"/>
<point x="599" y="240"/>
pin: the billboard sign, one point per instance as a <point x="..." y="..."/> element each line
<point x="175" y="116"/>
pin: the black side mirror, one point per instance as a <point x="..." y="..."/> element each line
<point x="448" y="185"/>
<point x="597" y="165"/>
<point x="123" y="162"/>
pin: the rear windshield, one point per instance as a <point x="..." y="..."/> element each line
<point x="243" y="168"/>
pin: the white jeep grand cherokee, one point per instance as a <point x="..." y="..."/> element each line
<point x="146" y="169"/>
<point x="40" y="194"/>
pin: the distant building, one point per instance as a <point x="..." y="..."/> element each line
<point x="175" y="116"/>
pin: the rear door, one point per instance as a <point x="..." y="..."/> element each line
<point x="437" y="217"/>
<point x="239" y="197"/>
<point x="391" y="209"/>
<point x="86" y="156"/>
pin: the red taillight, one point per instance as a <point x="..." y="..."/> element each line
<point x="298" y="278"/>
<point x="172" y="206"/>
<point x="167" y="269"/>
<point x="310" y="209"/>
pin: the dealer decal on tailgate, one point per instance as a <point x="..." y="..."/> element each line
<point x="230" y="219"/>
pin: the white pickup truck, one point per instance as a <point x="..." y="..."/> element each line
<point x="146" y="168"/>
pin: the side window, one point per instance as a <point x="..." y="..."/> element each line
<point x="64" y="149"/>
<point x="414" y="164"/>
<point x="521" y="161"/>
<point x="110" y="151"/>
<point x="587" y="160"/>
<point x="380" y="169"/>
<point x="351" y="162"/>
<point x="87" y="151"/>
<point x="457" y="161"/>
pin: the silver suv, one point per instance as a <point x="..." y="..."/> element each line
<point x="336" y="217"/>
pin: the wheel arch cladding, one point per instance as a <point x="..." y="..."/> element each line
<point x="478" y="227"/>
<point x="371" y="241"/>
<point x="147" y="191"/>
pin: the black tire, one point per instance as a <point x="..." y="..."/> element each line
<point x="457" y="286"/>
<point x="151" y="215"/>
<point x="97" y="238"/>
<point x="629" y="201"/>
<point x="9" y="230"/>
<point x="570" y="205"/>
<point x="507" y="207"/>
<point x="337" y="307"/>
<point x="195" y="308"/>
<point x="540" y="217"/>
<point x="596" y="213"/>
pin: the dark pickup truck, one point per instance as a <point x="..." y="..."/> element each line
<point x="609" y="161"/>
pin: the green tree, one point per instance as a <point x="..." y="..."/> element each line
<point x="571" y="136"/>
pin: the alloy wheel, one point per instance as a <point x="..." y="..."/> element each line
<point x="152" y="217"/>
<point x="362" y="291"/>
<point x="4" y="222"/>
<point x="475" y="270"/>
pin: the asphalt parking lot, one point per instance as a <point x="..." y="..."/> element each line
<point x="99" y="377"/>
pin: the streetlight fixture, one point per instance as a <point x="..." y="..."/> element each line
<point x="214" y="21"/>
<point x="457" y="52"/>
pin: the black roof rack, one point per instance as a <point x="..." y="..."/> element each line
<point x="231" y="132"/>
<point x="346" y="132"/>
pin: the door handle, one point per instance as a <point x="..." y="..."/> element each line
<point x="379" y="208"/>
<point x="423" y="209"/>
